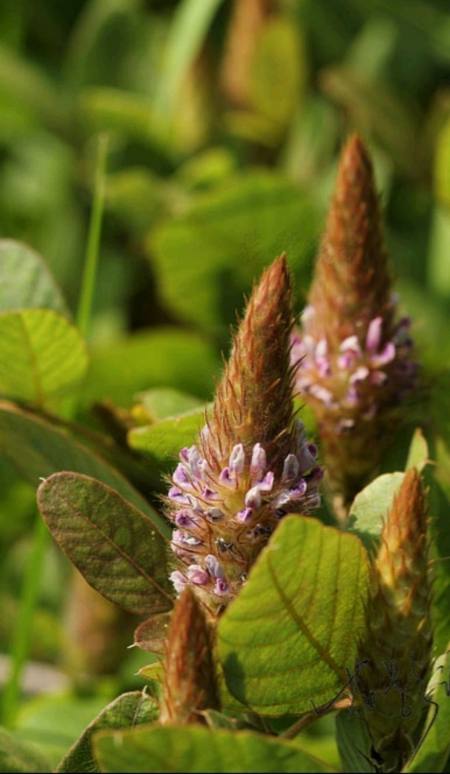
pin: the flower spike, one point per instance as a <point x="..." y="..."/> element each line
<point x="252" y="463"/>
<point x="354" y="354"/>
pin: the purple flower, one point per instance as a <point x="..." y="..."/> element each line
<point x="373" y="338"/>
<point x="197" y="575"/>
<point x="178" y="580"/>
<point x="221" y="587"/>
<point x="258" y="463"/>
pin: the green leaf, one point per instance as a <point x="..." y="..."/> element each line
<point x="418" y="455"/>
<point x="197" y="749"/>
<point x="41" y="355"/>
<point x="354" y="742"/>
<point x="25" y="281"/>
<point x="17" y="756"/>
<point x="37" y="449"/>
<point x="287" y="639"/>
<point x="163" y="440"/>
<point x="130" y="709"/>
<point x="110" y="541"/>
<point x="433" y="753"/>
<point x="166" y="357"/>
<point x="164" y="402"/>
<point x="53" y="723"/>
<point x="370" y="507"/>
<point x="230" y="235"/>
<point x="278" y="73"/>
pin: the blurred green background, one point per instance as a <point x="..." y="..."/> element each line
<point x="224" y="122"/>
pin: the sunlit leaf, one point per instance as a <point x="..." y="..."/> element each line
<point x="285" y="642"/>
<point x="41" y="355"/>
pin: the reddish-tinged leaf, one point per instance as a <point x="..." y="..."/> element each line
<point x="110" y="541"/>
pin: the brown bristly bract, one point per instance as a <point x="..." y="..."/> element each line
<point x="396" y="652"/>
<point x="252" y="463"/>
<point x="355" y="356"/>
<point x="254" y="398"/>
<point x="351" y="277"/>
<point x="190" y="685"/>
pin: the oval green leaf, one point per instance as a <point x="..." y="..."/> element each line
<point x="41" y="355"/>
<point x="286" y="641"/>
<point x="110" y="541"/>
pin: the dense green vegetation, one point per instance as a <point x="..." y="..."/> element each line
<point x="155" y="157"/>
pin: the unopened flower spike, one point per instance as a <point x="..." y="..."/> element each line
<point x="395" y="658"/>
<point x="355" y="354"/>
<point x="190" y="685"/>
<point x="252" y="463"/>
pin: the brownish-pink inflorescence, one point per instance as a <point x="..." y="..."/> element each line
<point x="252" y="463"/>
<point x="354" y="353"/>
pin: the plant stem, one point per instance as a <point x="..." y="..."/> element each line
<point x="93" y="241"/>
<point x="23" y="626"/>
<point x="21" y="636"/>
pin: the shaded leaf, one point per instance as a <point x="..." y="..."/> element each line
<point x="300" y="613"/>
<point x="111" y="542"/>
<point x="230" y="235"/>
<point x="18" y="756"/>
<point x="41" y="355"/>
<point x="354" y="742"/>
<point x="130" y="709"/>
<point x="197" y="749"/>
<point x="433" y="753"/>
<point x="166" y="357"/>
<point x="25" y="281"/>
<point x="150" y="635"/>
<point x="37" y="448"/>
<point x="53" y="723"/>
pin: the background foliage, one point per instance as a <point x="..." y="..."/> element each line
<point x="216" y="163"/>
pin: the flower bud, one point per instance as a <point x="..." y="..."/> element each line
<point x="190" y="679"/>
<point x="395" y="658"/>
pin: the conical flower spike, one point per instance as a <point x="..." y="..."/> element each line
<point x="395" y="659"/>
<point x="252" y="463"/>
<point x="355" y="356"/>
<point x="190" y="680"/>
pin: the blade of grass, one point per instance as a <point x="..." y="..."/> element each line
<point x="21" y="636"/>
<point x="93" y="241"/>
<point x="190" y="24"/>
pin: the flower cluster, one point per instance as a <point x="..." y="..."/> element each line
<point x="354" y="354"/>
<point x="223" y="521"/>
<point x="252" y="463"/>
<point x="364" y="375"/>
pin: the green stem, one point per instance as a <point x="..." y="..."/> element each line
<point x="93" y="241"/>
<point x="22" y="630"/>
<point x="31" y="583"/>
